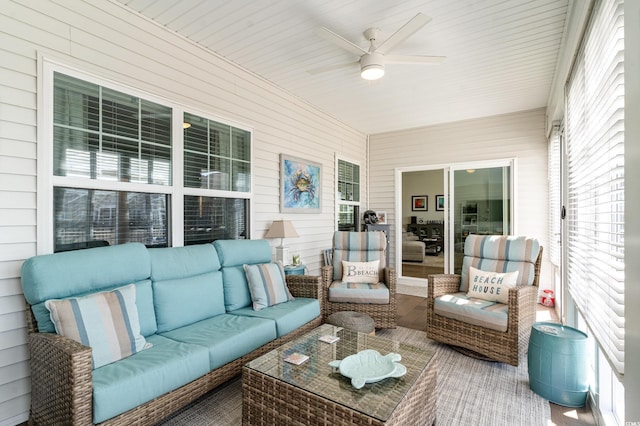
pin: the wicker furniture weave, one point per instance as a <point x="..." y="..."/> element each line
<point x="384" y="315"/>
<point x="61" y="384"/>
<point x="501" y="346"/>
<point x="275" y="392"/>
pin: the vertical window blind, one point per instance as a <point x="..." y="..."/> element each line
<point x="595" y="179"/>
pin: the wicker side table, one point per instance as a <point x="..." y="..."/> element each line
<point x="354" y="321"/>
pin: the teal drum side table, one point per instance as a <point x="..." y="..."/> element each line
<point x="558" y="365"/>
<point x="294" y="270"/>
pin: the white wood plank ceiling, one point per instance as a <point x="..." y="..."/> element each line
<point x="501" y="54"/>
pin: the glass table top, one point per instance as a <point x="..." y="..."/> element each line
<point x="377" y="400"/>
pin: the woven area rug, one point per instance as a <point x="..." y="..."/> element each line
<point x="470" y="392"/>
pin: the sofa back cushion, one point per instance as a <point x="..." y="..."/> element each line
<point x="500" y="253"/>
<point x="82" y="272"/>
<point x="187" y="285"/>
<point x="233" y="255"/>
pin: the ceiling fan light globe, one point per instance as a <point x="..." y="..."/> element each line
<point x="372" y="72"/>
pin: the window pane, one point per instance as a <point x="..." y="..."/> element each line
<point x="241" y="177"/>
<point x="210" y="160"/>
<point x="220" y="139"/>
<point x="86" y="215"/>
<point x="207" y="219"/>
<point x="113" y="129"/>
<point x="348" y="181"/>
<point x="348" y="217"/>
<point x="241" y="144"/>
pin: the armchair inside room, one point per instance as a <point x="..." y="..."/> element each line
<point x="500" y="329"/>
<point x="343" y="293"/>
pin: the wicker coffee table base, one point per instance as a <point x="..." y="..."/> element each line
<point x="267" y="401"/>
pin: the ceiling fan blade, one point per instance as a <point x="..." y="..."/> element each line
<point x="406" y="31"/>
<point x="340" y="41"/>
<point x="332" y="67"/>
<point x="413" y="59"/>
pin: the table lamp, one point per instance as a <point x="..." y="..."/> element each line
<point x="282" y="229"/>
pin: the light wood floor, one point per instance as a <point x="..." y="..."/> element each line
<point x="411" y="314"/>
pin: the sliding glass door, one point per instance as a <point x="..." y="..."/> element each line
<point x="481" y="203"/>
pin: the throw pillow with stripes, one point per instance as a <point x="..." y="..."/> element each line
<point x="108" y="322"/>
<point x="267" y="285"/>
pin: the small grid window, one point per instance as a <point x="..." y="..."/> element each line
<point x="216" y="155"/>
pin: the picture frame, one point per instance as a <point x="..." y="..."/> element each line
<point x="439" y="203"/>
<point x="382" y="217"/>
<point x="300" y="185"/>
<point x="419" y="203"/>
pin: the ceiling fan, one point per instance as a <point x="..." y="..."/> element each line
<point x="372" y="61"/>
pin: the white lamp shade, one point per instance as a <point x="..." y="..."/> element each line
<point x="282" y="229"/>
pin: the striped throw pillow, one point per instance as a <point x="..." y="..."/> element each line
<point x="267" y="285"/>
<point x="107" y="322"/>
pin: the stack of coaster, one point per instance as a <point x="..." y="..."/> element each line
<point x="355" y="321"/>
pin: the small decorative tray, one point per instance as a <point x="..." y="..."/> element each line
<point x="368" y="366"/>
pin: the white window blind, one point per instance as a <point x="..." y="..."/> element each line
<point x="595" y="156"/>
<point x="554" y="196"/>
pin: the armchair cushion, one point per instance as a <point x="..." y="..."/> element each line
<point x="500" y="254"/>
<point x="358" y="247"/>
<point x="482" y="313"/>
<point x="350" y="292"/>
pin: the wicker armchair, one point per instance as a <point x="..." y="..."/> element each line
<point x="448" y="321"/>
<point x="360" y="247"/>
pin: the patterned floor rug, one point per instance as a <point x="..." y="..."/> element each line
<point x="470" y="392"/>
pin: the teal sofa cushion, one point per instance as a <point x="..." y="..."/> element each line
<point x="187" y="300"/>
<point x="178" y="262"/>
<point x="73" y="273"/>
<point x="233" y="254"/>
<point x="187" y="285"/>
<point x="132" y="381"/>
<point x="239" y="252"/>
<point x="144" y="302"/>
<point x="288" y="315"/>
<point x="226" y="337"/>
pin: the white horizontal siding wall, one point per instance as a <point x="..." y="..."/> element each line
<point x="519" y="135"/>
<point x="104" y="39"/>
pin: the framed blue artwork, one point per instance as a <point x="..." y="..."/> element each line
<point x="300" y="185"/>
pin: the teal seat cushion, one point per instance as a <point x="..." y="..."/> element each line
<point x="226" y="337"/>
<point x="467" y="309"/>
<point x="288" y="316"/>
<point x="132" y="381"/>
<point x="183" y="301"/>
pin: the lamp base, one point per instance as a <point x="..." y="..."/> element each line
<point x="282" y="255"/>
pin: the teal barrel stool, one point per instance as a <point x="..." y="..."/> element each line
<point x="558" y="366"/>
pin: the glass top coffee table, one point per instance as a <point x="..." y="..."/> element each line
<point x="277" y="392"/>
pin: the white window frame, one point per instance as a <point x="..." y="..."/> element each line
<point x="46" y="181"/>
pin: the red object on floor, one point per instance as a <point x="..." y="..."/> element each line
<point x="548" y="299"/>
